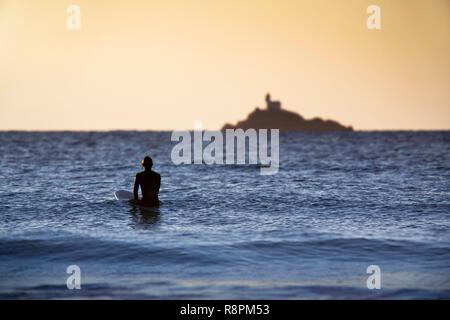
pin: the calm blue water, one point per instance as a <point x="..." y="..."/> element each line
<point x="340" y="203"/>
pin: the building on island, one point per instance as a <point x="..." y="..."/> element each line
<point x="272" y="105"/>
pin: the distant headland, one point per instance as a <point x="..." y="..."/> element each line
<point x="274" y="117"/>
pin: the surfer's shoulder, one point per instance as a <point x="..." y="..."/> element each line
<point x="140" y="174"/>
<point x="156" y="174"/>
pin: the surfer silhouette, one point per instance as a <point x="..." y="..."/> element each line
<point x="150" y="182"/>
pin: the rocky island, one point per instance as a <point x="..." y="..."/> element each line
<point x="273" y="117"/>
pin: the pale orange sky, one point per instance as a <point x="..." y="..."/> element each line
<point x="152" y="65"/>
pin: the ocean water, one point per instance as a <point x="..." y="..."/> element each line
<point x="340" y="203"/>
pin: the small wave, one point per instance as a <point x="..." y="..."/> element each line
<point x="101" y="251"/>
<point x="345" y="248"/>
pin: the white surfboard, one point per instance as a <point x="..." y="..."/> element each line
<point x="123" y="195"/>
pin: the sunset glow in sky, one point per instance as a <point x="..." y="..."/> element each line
<point x="160" y="65"/>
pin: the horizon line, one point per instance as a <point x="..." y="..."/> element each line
<point x="191" y="129"/>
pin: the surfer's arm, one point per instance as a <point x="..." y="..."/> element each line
<point x="136" y="188"/>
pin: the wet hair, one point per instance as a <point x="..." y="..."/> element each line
<point x="147" y="163"/>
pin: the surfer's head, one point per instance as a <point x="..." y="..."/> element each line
<point x="147" y="163"/>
